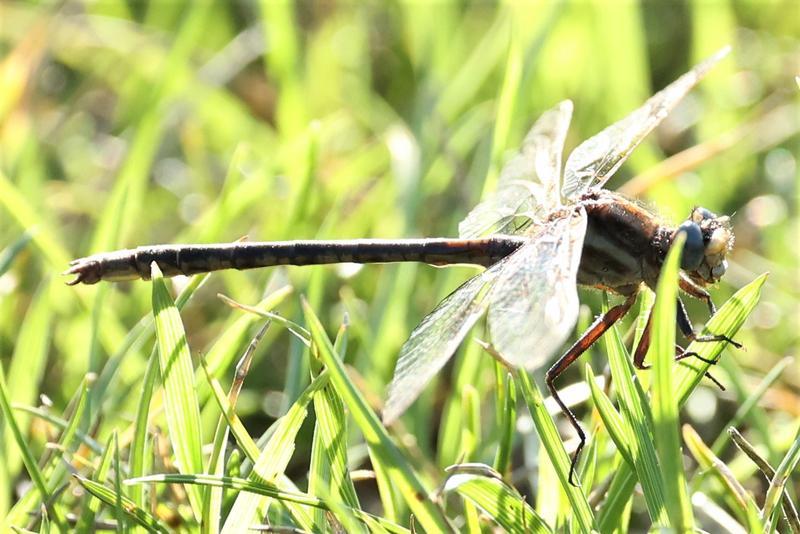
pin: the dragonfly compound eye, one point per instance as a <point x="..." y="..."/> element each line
<point x="693" y="248"/>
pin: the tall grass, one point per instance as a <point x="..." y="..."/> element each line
<point x="126" y="123"/>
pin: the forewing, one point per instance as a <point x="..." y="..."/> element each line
<point x="435" y="340"/>
<point x="595" y="160"/>
<point x="533" y="305"/>
<point x="528" y="183"/>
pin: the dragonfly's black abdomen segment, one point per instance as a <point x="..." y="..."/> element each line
<point x="193" y="259"/>
<point x="618" y="250"/>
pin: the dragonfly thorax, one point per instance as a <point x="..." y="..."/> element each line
<point x="625" y="244"/>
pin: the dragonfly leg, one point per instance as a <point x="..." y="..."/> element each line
<point x="697" y="292"/>
<point x="685" y="326"/>
<point x="594" y="332"/>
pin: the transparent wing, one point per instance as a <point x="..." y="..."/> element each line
<point x="595" y="160"/>
<point x="528" y="183"/>
<point x="533" y="304"/>
<point x="435" y="340"/>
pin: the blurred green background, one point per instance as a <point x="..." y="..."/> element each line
<point x="130" y="123"/>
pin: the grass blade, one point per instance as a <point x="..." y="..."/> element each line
<point x="552" y="443"/>
<point x="665" y="406"/>
<point x="774" y="493"/>
<point x="128" y="507"/>
<point x="91" y="505"/>
<point x="746" y="507"/>
<point x="502" y="459"/>
<point x="635" y="409"/>
<point x="505" y="506"/>
<point x="727" y="321"/>
<point x="10" y="252"/>
<point x="789" y="508"/>
<point x="28" y="459"/>
<point x="180" y="395"/>
<point x="620" y="432"/>
<point x="273" y="459"/>
<point x="27" y="367"/>
<point x="266" y="489"/>
<point x="250" y="448"/>
<point x="383" y="450"/>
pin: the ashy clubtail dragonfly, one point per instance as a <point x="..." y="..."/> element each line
<point x="538" y="235"/>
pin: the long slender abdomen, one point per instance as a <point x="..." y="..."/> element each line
<point x="193" y="259"/>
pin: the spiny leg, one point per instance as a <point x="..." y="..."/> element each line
<point x="682" y="318"/>
<point x="685" y="324"/>
<point x="594" y="332"/>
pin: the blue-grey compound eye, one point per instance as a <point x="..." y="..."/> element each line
<point x="693" y="248"/>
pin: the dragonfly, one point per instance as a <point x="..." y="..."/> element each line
<point x="540" y="235"/>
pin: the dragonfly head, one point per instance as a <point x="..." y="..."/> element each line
<point x="708" y="239"/>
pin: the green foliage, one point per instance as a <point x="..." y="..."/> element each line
<point x="126" y="123"/>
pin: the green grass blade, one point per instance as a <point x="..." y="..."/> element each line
<point x="776" y="487"/>
<point x="502" y="459"/>
<point x="273" y="459"/>
<point x="745" y="507"/>
<point x="27" y="367"/>
<point x="134" y="340"/>
<point x="128" y="507"/>
<point x="91" y="505"/>
<point x="332" y="426"/>
<point x="138" y="448"/>
<point x="9" y="253"/>
<point x="319" y="467"/>
<point x="383" y="450"/>
<point x="266" y="489"/>
<point x="750" y="402"/>
<point x="28" y="459"/>
<point x="635" y="409"/>
<point x="180" y="395"/>
<point x="501" y="502"/>
<point x="249" y="446"/>
<point x="617" y="427"/>
<point x="665" y="406"/>
<point x="551" y="441"/>
<point x="727" y="321"/>
<point x="329" y="476"/>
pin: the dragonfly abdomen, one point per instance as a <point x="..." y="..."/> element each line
<point x="176" y="260"/>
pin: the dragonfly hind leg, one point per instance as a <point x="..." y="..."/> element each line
<point x="594" y="332"/>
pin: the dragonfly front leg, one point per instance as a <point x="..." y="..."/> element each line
<point x="684" y="323"/>
<point x="594" y="332"/>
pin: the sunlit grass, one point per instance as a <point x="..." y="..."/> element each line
<point x="124" y="124"/>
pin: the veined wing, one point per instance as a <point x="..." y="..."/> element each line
<point x="533" y="304"/>
<point x="435" y="340"/>
<point x="528" y="183"/>
<point x="595" y="160"/>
